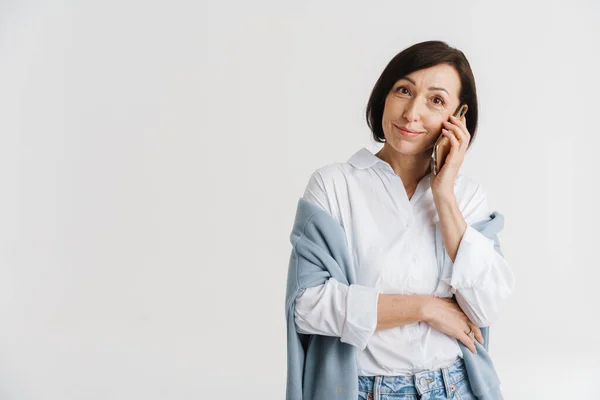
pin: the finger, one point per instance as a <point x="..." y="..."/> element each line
<point x="461" y="124"/>
<point x="478" y="334"/>
<point x="453" y="140"/>
<point x="464" y="122"/>
<point x="456" y="130"/>
<point x="468" y="342"/>
<point x="462" y="141"/>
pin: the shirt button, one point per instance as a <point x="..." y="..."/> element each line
<point x="415" y="258"/>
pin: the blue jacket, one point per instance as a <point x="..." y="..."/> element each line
<point x="324" y="368"/>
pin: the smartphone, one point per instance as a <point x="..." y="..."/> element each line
<point x="442" y="146"/>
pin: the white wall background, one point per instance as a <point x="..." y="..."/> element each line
<point x="152" y="154"/>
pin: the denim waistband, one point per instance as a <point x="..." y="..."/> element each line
<point x="421" y="382"/>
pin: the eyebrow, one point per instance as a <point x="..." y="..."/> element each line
<point x="431" y="88"/>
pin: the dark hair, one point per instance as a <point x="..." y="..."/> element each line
<point x="421" y="56"/>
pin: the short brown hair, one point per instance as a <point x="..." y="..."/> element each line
<point x="416" y="57"/>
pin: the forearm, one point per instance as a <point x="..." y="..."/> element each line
<point x="400" y="309"/>
<point x="479" y="276"/>
<point x="452" y="223"/>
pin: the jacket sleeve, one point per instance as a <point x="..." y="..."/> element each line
<point x="481" y="279"/>
<point x="335" y="309"/>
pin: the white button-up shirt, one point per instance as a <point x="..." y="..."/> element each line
<point x="392" y="244"/>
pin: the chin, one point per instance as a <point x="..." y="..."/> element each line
<point x="406" y="147"/>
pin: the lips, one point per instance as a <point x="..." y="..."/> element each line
<point x="407" y="132"/>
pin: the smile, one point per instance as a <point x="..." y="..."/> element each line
<point x="406" y="133"/>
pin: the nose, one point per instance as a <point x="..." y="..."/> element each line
<point x="412" y="113"/>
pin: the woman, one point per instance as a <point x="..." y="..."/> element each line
<point x="403" y="314"/>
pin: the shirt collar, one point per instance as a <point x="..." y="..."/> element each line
<point x="364" y="159"/>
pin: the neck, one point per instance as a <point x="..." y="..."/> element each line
<point x="410" y="168"/>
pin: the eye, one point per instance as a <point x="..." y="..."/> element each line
<point x="400" y="88"/>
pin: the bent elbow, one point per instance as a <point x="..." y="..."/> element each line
<point x="482" y="315"/>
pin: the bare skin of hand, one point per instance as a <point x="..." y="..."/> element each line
<point x="446" y="316"/>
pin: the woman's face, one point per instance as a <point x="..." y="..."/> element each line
<point x="420" y="102"/>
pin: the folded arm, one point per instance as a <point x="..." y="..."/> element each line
<point x="481" y="279"/>
<point x="355" y="312"/>
<point x="336" y="309"/>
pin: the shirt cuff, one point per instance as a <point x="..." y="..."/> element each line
<point x="474" y="259"/>
<point x="361" y="315"/>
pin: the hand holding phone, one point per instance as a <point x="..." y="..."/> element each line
<point x="442" y="146"/>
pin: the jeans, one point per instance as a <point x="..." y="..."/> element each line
<point x="450" y="382"/>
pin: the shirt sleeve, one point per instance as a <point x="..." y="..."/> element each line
<point x="481" y="279"/>
<point x="317" y="193"/>
<point x="335" y="309"/>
